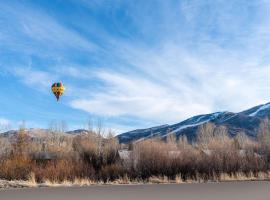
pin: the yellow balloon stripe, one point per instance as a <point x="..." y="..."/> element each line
<point x="58" y="89"/>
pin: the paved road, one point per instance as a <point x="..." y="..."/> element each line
<point x="206" y="191"/>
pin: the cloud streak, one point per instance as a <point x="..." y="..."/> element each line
<point x="169" y="81"/>
<point x="37" y="79"/>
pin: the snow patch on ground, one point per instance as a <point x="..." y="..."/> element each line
<point x="226" y="119"/>
<point x="213" y="116"/>
<point x="188" y="126"/>
<point x="266" y="106"/>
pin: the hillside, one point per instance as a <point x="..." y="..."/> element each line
<point x="246" y="121"/>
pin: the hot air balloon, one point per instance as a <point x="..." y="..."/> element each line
<point x="58" y="90"/>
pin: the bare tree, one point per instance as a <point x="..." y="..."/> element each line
<point x="183" y="142"/>
<point x="263" y="134"/>
<point x="58" y="126"/>
<point x="171" y="140"/>
<point x="90" y="125"/>
<point x="205" y="134"/>
<point x="4" y="126"/>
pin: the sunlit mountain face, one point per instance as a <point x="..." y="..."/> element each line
<point x="246" y="121"/>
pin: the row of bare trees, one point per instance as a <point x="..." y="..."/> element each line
<point x="59" y="157"/>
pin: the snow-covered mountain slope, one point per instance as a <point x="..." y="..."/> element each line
<point x="32" y="132"/>
<point x="41" y="133"/>
<point x="258" y="111"/>
<point x="247" y="121"/>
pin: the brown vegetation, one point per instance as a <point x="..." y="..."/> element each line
<point x="91" y="157"/>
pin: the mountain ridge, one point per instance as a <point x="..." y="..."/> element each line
<point x="245" y="121"/>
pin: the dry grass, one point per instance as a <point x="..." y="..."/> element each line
<point x="68" y="183"/>
<point x="262" y="176"/>
<point x="245" y="177"/>
<point x="158" y="179"/>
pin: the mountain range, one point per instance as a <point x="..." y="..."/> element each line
<point x="247" y="121"/>
<point x="41" y="133"/>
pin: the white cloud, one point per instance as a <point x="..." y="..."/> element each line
<point x="127" y="94"/>
<point x="173" y="84"/>
<point x="38" y="79"/>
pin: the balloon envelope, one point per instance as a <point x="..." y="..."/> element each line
<point x="58" y="90"/>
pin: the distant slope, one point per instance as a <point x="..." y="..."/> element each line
<point x="41" y="133"/>
<point x="247" y="121"/>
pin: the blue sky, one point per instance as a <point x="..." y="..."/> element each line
<point x="131" y="64"/>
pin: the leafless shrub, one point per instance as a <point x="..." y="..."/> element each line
<point x="58" y="126"/>
<point x="92" y="156"/>
<point x="17" y="167"/>
<point x="63" y="169"/>
<point x="111" y="172"/>
<point x="5" y="147"/>
<point x="205" y="134"/>
<point x="183" y="143"/>
<point x="156" y="158"/>
<point x="263" y="134"/>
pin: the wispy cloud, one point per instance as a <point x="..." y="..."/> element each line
<point x="29" y="30"/>
<point x="37" y="79"/>
<point x="178" y="78"/>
